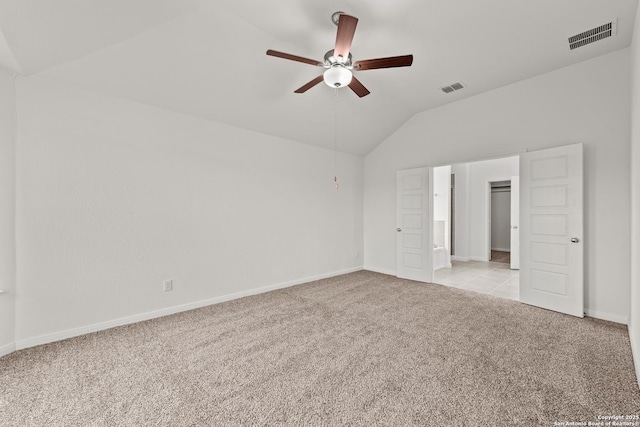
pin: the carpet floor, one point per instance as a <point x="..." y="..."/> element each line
<point x="358" y="349"/>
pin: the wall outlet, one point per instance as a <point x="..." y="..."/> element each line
<point x="168" y="285"/>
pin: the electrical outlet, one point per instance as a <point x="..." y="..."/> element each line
<point x="168" y="285"/>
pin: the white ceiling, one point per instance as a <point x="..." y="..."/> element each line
<point x="207" y="58"/>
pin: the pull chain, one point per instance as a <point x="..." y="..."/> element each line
<point x="335" y="127"/>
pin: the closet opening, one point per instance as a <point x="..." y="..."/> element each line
<point x="499" y="224"/>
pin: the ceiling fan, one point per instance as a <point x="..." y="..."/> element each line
<point x="339" y="63"/>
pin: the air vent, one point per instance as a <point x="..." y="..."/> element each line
<point x="593" y="35"/>
<point x="452" y="88"/>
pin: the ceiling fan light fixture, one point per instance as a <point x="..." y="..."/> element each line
<point x="339" y="61"/>
<point x="337" y="76"/>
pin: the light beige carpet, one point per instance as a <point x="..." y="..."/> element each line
<point x="359" y="349"/>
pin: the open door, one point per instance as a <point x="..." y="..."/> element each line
<point x="414" y="213"/>
<point x="551" y="229"/>
<point x="515" y="223"/>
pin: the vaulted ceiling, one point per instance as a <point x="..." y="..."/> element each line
<point x="207" y="58"/>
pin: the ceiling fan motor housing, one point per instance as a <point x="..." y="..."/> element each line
<point x="330" y="59"/>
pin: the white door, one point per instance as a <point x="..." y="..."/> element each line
<point x="414" y="232"/>
<point x="551" y="229"/>
<point x="515" y="222"/>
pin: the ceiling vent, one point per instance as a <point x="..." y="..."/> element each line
<point x="593" y="35"/>
<point x="452" y="87"/>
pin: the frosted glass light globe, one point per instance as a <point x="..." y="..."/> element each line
<point x="337" y="76"/>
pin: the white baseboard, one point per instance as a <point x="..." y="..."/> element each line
<point x="74" y="332"/>
<point x="616" y="318"/>
<point x="7" y="349"/>
<point x="478" y="258"/>
<point x="381" y="271"/>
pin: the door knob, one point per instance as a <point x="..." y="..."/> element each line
<point x="398" y="229"/>
<point x="574" y="240"/>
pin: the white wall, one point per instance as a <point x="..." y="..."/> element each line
<point x="634" y="321"/>
<point x="461" y="213"/>
<point x="501" y="221"/>
<point x="113" y="197"/>
<point x="587" y="102"/>
<point x="472" y="180"/>
<point x="441" y="199"/>
<point x="480" y="175"/>
<point x="7" y="212"/>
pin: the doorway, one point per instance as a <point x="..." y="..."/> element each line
<point x="443" y="206"/>
<point x="469" y="193"/>
<point x="462" y="214"/>
<point x="551" y="254"/>
<point x="499" y="233"/>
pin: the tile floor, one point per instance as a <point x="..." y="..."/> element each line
<point x="493" y="278"/>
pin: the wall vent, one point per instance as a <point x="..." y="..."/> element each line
<point x="593" y="35"/>
<point x="452" y="88"/>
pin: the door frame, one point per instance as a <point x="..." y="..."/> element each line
<point x="514" y="229"/>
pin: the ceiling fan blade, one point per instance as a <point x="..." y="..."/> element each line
<point x="293" y="57"/>
<point x="309" y="85"/>
<point x="346" y="30"/>
<point x="391" y="62"/>
<point x="358" y="87"/>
